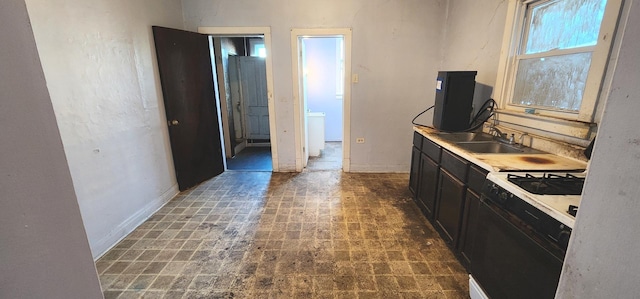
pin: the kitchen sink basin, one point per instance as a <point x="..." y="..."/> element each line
<point x="465" y="136"/>
<point x="495" y="147"/>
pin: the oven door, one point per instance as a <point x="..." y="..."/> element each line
<point x="509" y="262"/>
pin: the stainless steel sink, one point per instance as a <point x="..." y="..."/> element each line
<point x="495" y="147"/>
<point x="465" y="136"/>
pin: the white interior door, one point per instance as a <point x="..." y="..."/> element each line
<point x="253" y="83"/>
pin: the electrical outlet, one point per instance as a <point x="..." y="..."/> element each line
<point x="360" y="140"/>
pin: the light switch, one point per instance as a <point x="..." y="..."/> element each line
<point x="355" y="78"/>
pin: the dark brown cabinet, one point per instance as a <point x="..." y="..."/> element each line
<point x="450" y="203"/>
<point x="415" y="171"/>
<point x="414" y="175"/>
<point x="423" y="179"/>
<point x="446" y="187"/>
<point x="451" y="193"/>
<point x="429" y="172"/>
<point x="475" y="180"/>
<point x="469" y="223"/>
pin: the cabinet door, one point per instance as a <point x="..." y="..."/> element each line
<point x="476" y="178"/>
<point x="427" y="186"/>
<point x="449" y="207"/>
<point x="469" y="224"/>
<point x="414" y="175"/>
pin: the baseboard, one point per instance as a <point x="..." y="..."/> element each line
<point x="379" y="168"/>
<point x="259" y="144"/>
<point x="286" y="168"/>
<point x="125" y="228"/>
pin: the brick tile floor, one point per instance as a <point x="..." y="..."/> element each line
<point x="322" y="234"/>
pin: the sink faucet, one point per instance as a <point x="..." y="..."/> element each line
<point x="496" y="132"/>
<point x="502" y="137"/>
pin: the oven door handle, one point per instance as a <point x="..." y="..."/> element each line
<point x="532" y="216"/>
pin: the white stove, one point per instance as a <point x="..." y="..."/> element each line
<point x="555" y="205"/>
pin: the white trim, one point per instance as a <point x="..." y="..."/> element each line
<point x="266" y="32"/>
<point x="235" y="30"/>
<point x="222" y="91"/>
<point x="594" y="84"/>
<point x="106" y="243"/>
<point x="297" y="102"/>
<point x="218" y="103"/>
<point x="558" y="52"/>
<point x="298" y="114"/>
<point x="508" y="49"/>
<point x="549" y="124"/>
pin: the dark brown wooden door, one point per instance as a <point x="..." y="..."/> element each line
<point x="187" y="80"/>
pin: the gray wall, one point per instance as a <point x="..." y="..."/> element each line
<point x="395" y="50"/>
<point x="603" y="257"/>
<point x="472" y="41"/>
<point x="99" y="62"/>
<point x="44" y="251"/>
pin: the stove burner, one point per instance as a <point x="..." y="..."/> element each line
<point x="548" y="184"/>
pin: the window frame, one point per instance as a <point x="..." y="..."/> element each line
<point x="571" y="124"/>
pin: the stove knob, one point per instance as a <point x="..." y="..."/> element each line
<point x="503" y="196"/>
<point x="563" y="238"/>
<point x="494" y="189"/>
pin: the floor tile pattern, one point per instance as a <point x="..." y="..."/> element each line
<point x="330" y="157"/>
<point x="255" y="158"/>
<point x="323" y="234"/>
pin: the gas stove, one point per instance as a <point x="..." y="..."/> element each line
<point x="523" y="233"/>
<point x="548" y="183"/>
<point x="554" y="193"/>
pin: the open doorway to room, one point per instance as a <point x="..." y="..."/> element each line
<point x="321" y="77"/>
<point x="323" y="92"/>
<point x="244" y="98"/>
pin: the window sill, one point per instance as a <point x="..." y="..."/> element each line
<point x="570" y="131"/>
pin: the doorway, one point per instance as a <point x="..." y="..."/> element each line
<point x="321" y="79"/>
<point x="245" y="97"/>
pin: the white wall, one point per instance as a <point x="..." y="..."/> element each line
<point x="603" y="257"/>
<point x="396" y="50"/>
<point x="100" y="66"/>
<point x="472" y="41"/>
<point x="322" y="72"/>
<point x="44" y="251"/>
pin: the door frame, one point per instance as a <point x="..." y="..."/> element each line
<point x="266" y="32"/>
<point x="298" y="100"/>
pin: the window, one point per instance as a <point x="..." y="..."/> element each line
<point x="257" y="48"/>
<point x="554" y="61"/>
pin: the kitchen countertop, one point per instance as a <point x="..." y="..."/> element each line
<point x="507" y="162"/>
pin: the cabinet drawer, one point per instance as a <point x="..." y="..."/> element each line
<point x="417" y="140"/>
<point x="431" y="149"/>
<point x="476" y="178"/>
<point x="454" y="165"/>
